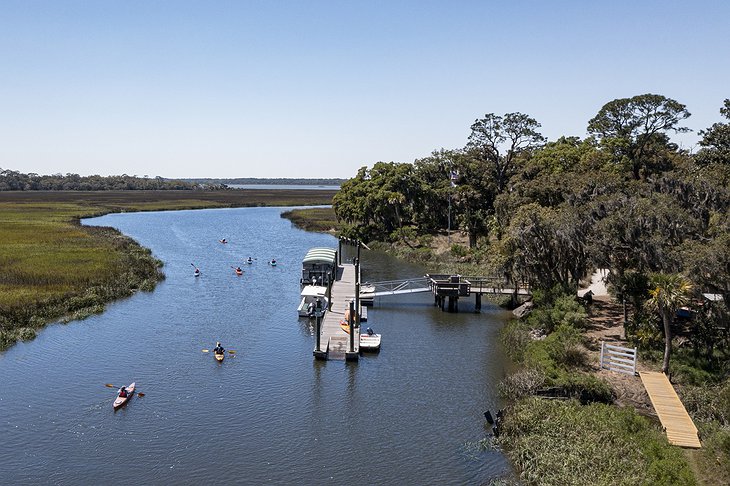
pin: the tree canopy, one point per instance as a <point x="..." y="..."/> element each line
<point x="626" y="198"/>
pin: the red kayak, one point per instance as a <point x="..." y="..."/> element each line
<point x="119" y="401"/>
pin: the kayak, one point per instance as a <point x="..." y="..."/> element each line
<point x="119" y="401"/>
<point x="239" y="272"/>
<point x="219" y="357"/>
<point x="273" y="264"/>
<point x="197" y="273"/>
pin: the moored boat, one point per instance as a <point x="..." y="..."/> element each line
<point x="369" y="341"/>
<point x="119" y="401"/>
<point x="310" y="294"/>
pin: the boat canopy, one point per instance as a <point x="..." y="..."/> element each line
<point x="314" y="291"/>
<point x="321" y="255"/>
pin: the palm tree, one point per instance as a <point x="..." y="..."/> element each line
<point x="668" y="293"/>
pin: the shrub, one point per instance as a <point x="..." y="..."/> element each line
<point x="26" y="334"/>
<point x="459" y="251"/>
<point x="515" y="337"/>
<point x="521" y="383"/>
<point x="563" y="310"/>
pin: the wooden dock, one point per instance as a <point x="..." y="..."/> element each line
<point x="681" y="431"/>
<point x="334" y="342"/>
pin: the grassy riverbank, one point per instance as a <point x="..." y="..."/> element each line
<point x="569" y="422"/>
<point x="54" y="268"/>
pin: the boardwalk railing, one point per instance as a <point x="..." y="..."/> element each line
<point x="617" y="358"/>
<point x="394" y="287"/>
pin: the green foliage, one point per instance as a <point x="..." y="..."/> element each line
<point x="565" y="443"/>
<point x="634" y="128"/>
<point x="715" y="141"/>
<point x="459" y="251"/>
<point x="515" y="337"/>
<point x="15" y="181"/>
<point x="560" y="309"/>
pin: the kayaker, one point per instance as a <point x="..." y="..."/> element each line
<point x="273" y="261"/>
<point x="250" y="260"/>
<point x="123" y="392"/>
<point x="238" y="270"/>
<point x="218" y="349"/>
<point x="370" y="331"/>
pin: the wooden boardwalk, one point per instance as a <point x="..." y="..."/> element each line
<point x="676" y="421"/>
<point x="335" y="342"/>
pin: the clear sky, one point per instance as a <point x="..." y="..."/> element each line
<point x="318" y="89"/>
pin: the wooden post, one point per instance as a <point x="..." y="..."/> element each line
<point x="351" y="322"/>
<point x="478" y="305"/>
<point x="357" y="286"/>
<point x="318" y="330"/>
<point x="338" y="261"/>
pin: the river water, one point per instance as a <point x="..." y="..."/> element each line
<point x="270" y="414"/>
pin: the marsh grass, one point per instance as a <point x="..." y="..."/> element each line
<point x="314" y="219"/>
<point x="51" y="267"/>
<point x="566" y="443"/>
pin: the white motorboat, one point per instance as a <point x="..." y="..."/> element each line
<point x="310" y="294"/>
<point x="369" y="341"/>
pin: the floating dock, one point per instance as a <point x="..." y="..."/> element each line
<point x="335" y="343"/>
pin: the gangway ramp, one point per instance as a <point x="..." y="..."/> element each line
<point x="394" y="287"/>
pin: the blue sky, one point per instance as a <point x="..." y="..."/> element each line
<point x="319" y="89"/>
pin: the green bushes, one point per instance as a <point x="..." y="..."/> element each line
<point x="558" y="358"/>
<point x="565" y="443"/>
<point x="560" y="309"/>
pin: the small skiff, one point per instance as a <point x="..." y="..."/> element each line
<point x="119" y="401"/>
<point x="369" y="342"/>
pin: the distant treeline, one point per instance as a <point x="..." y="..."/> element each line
<point x="277" y="181"/>
<point x="11" y="180"/>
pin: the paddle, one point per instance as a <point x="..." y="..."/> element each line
<point x="230" y="351"/>
<point x="118" y="387"/>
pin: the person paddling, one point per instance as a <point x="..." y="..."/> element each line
<point x="218" y="348"/>
<point x="249" y="261"/>
<point x="123" y="392"/>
